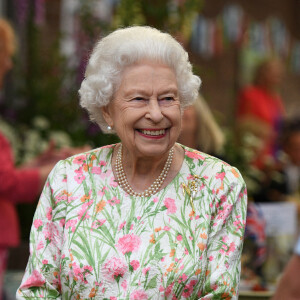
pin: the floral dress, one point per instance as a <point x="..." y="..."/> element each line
<point x="91" y="240"/>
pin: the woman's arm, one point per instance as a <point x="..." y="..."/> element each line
<point x="41" y="279"/>
<point x="226" y="238"/>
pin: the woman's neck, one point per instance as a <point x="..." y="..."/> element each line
<point x="141" y="172"/>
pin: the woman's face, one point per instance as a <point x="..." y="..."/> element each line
<point x="145" y="110"/>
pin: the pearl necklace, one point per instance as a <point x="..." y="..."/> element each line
<point x="153" y="188"/>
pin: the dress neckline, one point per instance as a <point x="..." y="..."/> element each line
<point x="182" y="170"/>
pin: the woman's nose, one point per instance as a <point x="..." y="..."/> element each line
<point x="154" y="111"/>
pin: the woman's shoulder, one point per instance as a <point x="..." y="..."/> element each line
<point x="210" y="167"/>
<point x="99" y="154"/>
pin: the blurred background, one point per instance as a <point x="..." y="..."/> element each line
<point x="227" y="41"/>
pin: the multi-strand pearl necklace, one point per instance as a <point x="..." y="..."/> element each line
<point x="154" y="187"/>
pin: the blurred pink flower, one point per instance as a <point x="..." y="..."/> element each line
<point x="96" y="170"/>
<point x="35" y="280"/>
<point x="37" y="223"/>
<point x="170" y="205"/>
<point x="135" y="264"/>
<point x="79" y="159"/>
<point x="194" y="155"/>
<point x="114" y="268"/>
<point x="138" y="295"/>
<point x="220" y="175"/>
<point x="129" y="243"/>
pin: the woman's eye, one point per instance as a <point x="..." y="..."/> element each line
<point x="169" y="98"/>
<point x="139" y="98"/>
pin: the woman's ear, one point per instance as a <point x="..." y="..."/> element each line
<point x="106" y="112"/>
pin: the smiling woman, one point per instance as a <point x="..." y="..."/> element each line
<point x="146" y="218"/>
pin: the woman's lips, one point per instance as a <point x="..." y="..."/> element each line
<point x="152" y="133"/>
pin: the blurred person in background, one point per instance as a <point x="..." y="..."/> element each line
<point x="200" y="130"/>
<point x="260" y="110"/>
<point x="18" y="184"/>
<point x="146" y="218"/>
<point x="289" y="284"/>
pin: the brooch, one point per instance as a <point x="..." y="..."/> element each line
<point x="191" y="189"/>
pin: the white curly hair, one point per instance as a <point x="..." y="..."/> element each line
<point x="122" y="48"/>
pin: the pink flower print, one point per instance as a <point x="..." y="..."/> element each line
<point x="161" y="288"/>
<point x="35" y="280"/>
<point x="113" y="182"/>
<point x="138" y="295"/>
<point x="186" y="252"/>
<point x="98" y="223"/>
<point x="225" y="239"/>
<point x="113" y="298"/>
<point x="62" y="222"/>
<point x="184" y="277"/>
<point x="122" y="225"/>
<point x="194" y="155"/>
<point x="135" y="264"/>
<point x="211" y="258"/>
<point x="237" y="224"/>
<point x="101" y="193"/>
<point x="71" y="223"/>
<point x="223" y="199"/>
<point x="113" y="201"/>
<point x="170" y="205"/>
<point x="190" y="177"/>
<point x="45" y="261"/>
<point x="51" y="233"/>
<point x="188" y="289"/>
<point x="49" y="213"/>
<point x="145" y="270"/>
<point x="179" y="237"/>
<point x="129" y="243"/>
<point x="124" y="285"/>
<point x="169" y="288"/>
<point x="166" y="228"/>
<point x="155" y="200"/>
<point x="138" y="218"/>
<point x="102" y="163"/>
<point x="40" y="245"/>
<point x="79" y="159"/>
<point x="114" y="268"/>
<point x="220" y="175"/>
<point x="83" y="212"/>
<point x="96" y="170"/>
<point x="79" y="178"/>
<point x="231" y="247"/>
<point x="37" y="223"/>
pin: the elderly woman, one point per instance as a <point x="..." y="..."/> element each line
<point x="146" y="218"/>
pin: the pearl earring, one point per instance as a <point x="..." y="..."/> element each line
<point x="108" y="128"/>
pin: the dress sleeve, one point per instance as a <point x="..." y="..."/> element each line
<point x="225" y="238"/>
<point x="41" y="279"/>
<point x="17" y="185"/>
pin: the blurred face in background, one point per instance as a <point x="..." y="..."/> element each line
<point x="270" y="74"/>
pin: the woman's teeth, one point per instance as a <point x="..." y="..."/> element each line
<point x="153" y="132"/>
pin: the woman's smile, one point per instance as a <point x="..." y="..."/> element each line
<point x="152" y="133"/>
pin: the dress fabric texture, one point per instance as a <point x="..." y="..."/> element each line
<point x="91" y="240"/>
